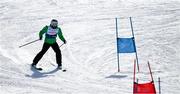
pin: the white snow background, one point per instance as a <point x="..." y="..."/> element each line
<point x="90" y="53"/>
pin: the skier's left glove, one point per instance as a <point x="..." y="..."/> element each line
<point x="65" y="41"/>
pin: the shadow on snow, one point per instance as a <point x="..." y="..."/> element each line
<point x="39" y="74"/>
<point x="117" y="76"/>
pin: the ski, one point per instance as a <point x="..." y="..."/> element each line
<point x="63" y="70"/>
<point x="60" y="68"/>
<point x="40" y="69"/>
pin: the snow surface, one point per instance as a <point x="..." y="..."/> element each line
<point x="90" y="54"/>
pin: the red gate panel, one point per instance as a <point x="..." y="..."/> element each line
<point x="145" y="88"/>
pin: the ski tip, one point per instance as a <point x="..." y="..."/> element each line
<point x="64" y="70"/>
<point x="40" y="69"/>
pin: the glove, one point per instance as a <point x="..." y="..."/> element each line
<point x="65" y="41"/>
<point x="40" y="38"/>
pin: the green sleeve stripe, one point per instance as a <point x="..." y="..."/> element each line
<point x="60" y="34"/>
<point x="44" y="30"/>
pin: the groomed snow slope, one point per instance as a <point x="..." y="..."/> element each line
<point x="90" y="54"/>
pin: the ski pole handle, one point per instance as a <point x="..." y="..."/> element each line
<point x="28" y="43"/>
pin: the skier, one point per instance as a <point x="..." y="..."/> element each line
<point x="51" y="33"/>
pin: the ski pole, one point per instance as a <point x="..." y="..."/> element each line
<point x="28" y="43"/>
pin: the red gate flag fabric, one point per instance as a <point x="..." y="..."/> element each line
<point x="145" y="88"/>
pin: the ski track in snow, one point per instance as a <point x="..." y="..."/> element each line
<point x="90" y="54"/>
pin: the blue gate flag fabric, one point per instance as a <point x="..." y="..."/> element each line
<point x="126" y="45"/>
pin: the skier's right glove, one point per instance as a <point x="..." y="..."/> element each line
<point x="40" y="38"/>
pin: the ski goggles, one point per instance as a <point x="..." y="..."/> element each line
<point x="53" y="23"/>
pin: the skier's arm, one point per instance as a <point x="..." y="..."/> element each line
<point x="42" y="32"/>
<point x="60" y="35"/>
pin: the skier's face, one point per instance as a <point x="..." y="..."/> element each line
<point x="54" y="24"/>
